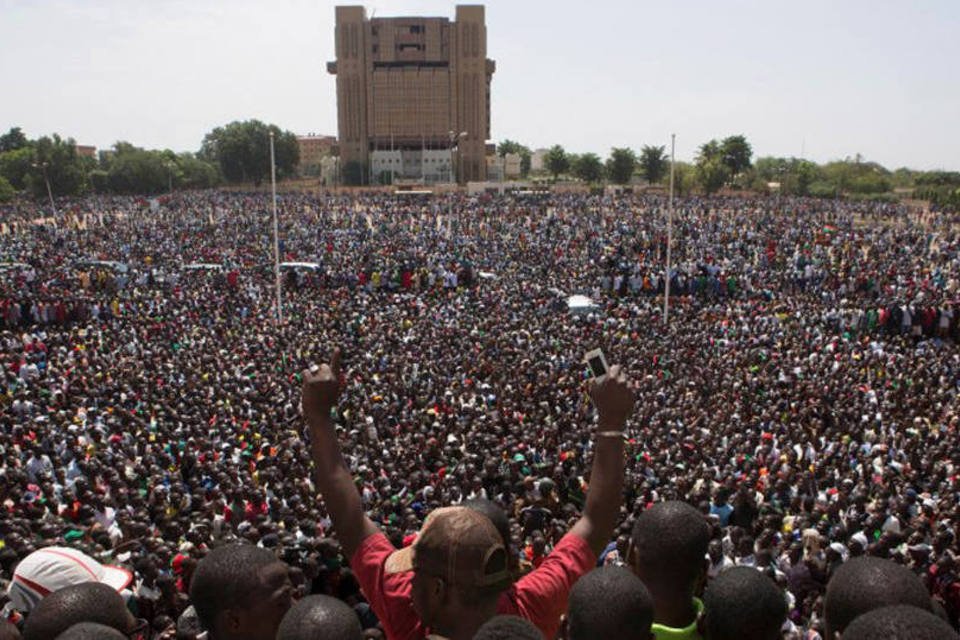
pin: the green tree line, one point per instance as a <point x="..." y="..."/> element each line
<point x="236" y="152"/>
<point x="729" y="163"/>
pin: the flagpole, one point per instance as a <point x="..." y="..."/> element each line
<point x="666" y="290"/>
<point x="276" y="237"/>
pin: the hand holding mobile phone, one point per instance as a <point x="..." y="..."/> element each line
<point x="597" y="363"/>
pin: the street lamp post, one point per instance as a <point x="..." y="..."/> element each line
<point x="454" y="142"/>
<point x="782" y="171"/>
<point x="43" y="165"/>
<point x="276" y="237"/>
<point x="666" y="288"/>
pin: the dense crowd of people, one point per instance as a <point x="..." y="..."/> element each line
<point x="795" y="413"/>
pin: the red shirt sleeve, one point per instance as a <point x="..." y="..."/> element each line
<point x="541" y="595"/>
<point x="388" y="594"/>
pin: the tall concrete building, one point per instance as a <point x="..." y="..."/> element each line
<point x="407" y="89"/>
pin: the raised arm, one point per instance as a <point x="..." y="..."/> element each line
<point x="321" y="389"/>
<point x="614" y="401"/>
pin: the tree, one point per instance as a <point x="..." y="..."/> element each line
<point x="56" y="160"/>
<point x="653" y="163"/>
<point x="242" y="150"/>
<point x="13" y="140"/>
<point x="525" y="165"/>
<point x="736" y="153"/>
<point x="134" y="170"/>
<point x="6" y="190"/>
<point x="588" y="167"/>
<point x="684" y="175"/>
<point x="854" y="175"/>
<point x="16" y="165"/>
<point x="938" y="179"/>
<point x="795" y="176"/>
<point x="904" y="177"/>
<point x="509" y="146"/>
<point x="712" y="172"/>
<point x="556" y="161"/>
<point x="99" y="181"/>
<point x="194" y="173"/>
<point x="620" y="164"/>
<point x="806" y="173"/>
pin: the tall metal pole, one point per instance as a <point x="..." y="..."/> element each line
<point x="53" y="207"/>
<point x="46" y="180"/>
<point x="666" y="290"/>
<point x="276" y="237"/>
<point x="454" y="144"/>
<point x="453" y="141"/>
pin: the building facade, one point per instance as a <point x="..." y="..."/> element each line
<point x="407" y="87"/>
<point x="313" y="149"/>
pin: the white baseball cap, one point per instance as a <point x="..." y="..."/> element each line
<point x="52" y="568"/>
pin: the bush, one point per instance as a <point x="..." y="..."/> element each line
<point x="869" y="183"/>
<point x="875" y="197"/>
<point x="823" y="189"/>
<point x="944" y="198"/>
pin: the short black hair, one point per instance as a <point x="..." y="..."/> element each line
<point x="670" y="544"/>
<point x="85" y="602"/>
<point x="225" y="578"/>
<point x="320" y="618"/>
<point x="610" y="602"/>
<point x="743" y="603"/>
<point x="900" y="622"/>
<point x="91" y="631"/>
<point x="508" y="628"/>
<point x="866" y="583"/>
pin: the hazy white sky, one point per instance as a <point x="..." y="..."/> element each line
<point x="827" y="78"/>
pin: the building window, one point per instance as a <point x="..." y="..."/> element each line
<point x="374" y="30"/>
<point x="416" y="28"/>
<point x="376" y="48"/>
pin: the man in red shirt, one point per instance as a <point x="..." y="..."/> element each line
<point x="540" y="596"/>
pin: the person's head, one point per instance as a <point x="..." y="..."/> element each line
<point x="508" y="628"/>
<point x="91" y="631"/>
<point x="668" y="549"/>
<point x="901" y="622"/>
<point x="867" y="583"/>
<point x="50" y="569"/>
<point x="320" y="618"/>
<point x="87" y="602"/>
<point x="610" y="602"/>
<point x="241" y="591"/>
<point x="743" y="604"/>
<point x="715" y="550"/>
<point x="460" y="569"/>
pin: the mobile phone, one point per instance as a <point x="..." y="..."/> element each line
<point x="597" y="363"/>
